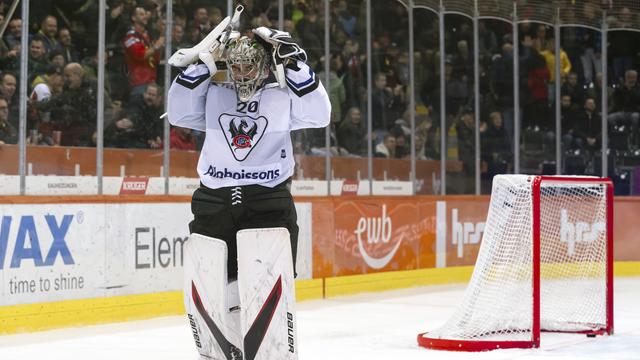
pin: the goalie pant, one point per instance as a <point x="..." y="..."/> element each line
<point x="221" y="213"/>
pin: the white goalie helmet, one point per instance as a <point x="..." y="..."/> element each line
<point x="248" y="63"/>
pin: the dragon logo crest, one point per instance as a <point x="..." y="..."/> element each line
<point x="242" y="133"/>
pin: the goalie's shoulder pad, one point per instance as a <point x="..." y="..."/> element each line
<point x="194" y="75"/>
<point x="300" y="78"/>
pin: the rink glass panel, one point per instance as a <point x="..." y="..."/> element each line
<point x="624" y="26"/>
<point x="583" y="48"/>
<point x="537" y="121"/>
<point x="391" y="121"/>
<point x="536" y="156"/>
<point x="348" y="78"/>
<point x="135" y="152"/>
<point x="10" y="84"/>
<point x="426" y="137"/>
<point x="61" y="131"/>
<point x="496" y="90"/>
<point x="459" y="104"/>
<point x="306" y="24"/>
<point x="496" y="95"/>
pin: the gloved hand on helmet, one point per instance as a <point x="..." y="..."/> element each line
<point x="282" y="48"/>
<point x="280" y="44"/>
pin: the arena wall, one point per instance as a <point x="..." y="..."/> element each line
<point x="79" y="260"/>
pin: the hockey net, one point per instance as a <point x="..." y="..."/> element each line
<point x="545" y="264"/>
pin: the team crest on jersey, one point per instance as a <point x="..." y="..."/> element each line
<point x="242" y="133"/>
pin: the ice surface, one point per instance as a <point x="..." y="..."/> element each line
<point x="379" y="326"/>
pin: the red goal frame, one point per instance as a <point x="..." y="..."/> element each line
<point x="486" y="345"/>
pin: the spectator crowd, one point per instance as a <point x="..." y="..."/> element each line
<point x="63" y="58"/>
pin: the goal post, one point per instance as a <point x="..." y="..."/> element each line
<point x="545" y="264"/>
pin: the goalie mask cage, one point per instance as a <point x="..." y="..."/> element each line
<point x="545" y="264"/>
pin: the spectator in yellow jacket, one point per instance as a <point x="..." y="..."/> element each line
<point x="550" y="57"/>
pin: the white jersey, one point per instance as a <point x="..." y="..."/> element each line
<point x="247" y="142"/>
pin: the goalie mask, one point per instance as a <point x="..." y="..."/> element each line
<point x="248" y="64"/>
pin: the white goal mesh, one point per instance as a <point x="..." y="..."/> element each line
<point x="499" y="302"/>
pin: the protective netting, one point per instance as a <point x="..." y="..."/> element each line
<point x="433" y="5"/>
<point x="542" y="11"/>
<point x="623" y="15"/>
<point x="498" y="302"/>
<point x="581" y="13"/>
<point x="464" y="7"/>
<point x="501" y="9"/>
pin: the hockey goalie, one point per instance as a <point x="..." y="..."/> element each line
<point x="240" y="258"/>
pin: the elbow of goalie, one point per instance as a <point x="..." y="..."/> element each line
<point x="324" y="111"/>
<point x="194" y="121"/>
<point x="321" y="105"/>
<point x="310" y="100"/>
<point x="174" y="112"/>
<point x="186" y="113"/>
<point x="311" y="111"/>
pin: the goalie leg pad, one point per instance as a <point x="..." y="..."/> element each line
<point x="209" y="301"/>
<point x="267" y="294"/>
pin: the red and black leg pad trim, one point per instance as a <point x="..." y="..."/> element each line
<point x="258" y="330"/>
<point x="231" y="352"/>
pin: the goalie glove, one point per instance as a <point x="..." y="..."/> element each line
<point x="281" y="44"/>
<point x="211" y="48"/>
<point x="216" y="52"/>
<point x="282" y="48"/>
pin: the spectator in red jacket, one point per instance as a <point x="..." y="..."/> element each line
<point x="182" y="139"/>
<point x="141" y="53"/>
<point x="536" y="108"/>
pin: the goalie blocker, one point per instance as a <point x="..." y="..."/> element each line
<point x="252" y="318"/>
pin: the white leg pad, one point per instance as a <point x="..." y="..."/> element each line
<point x="208" y="299"/>
<point x="267" y="294"/>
